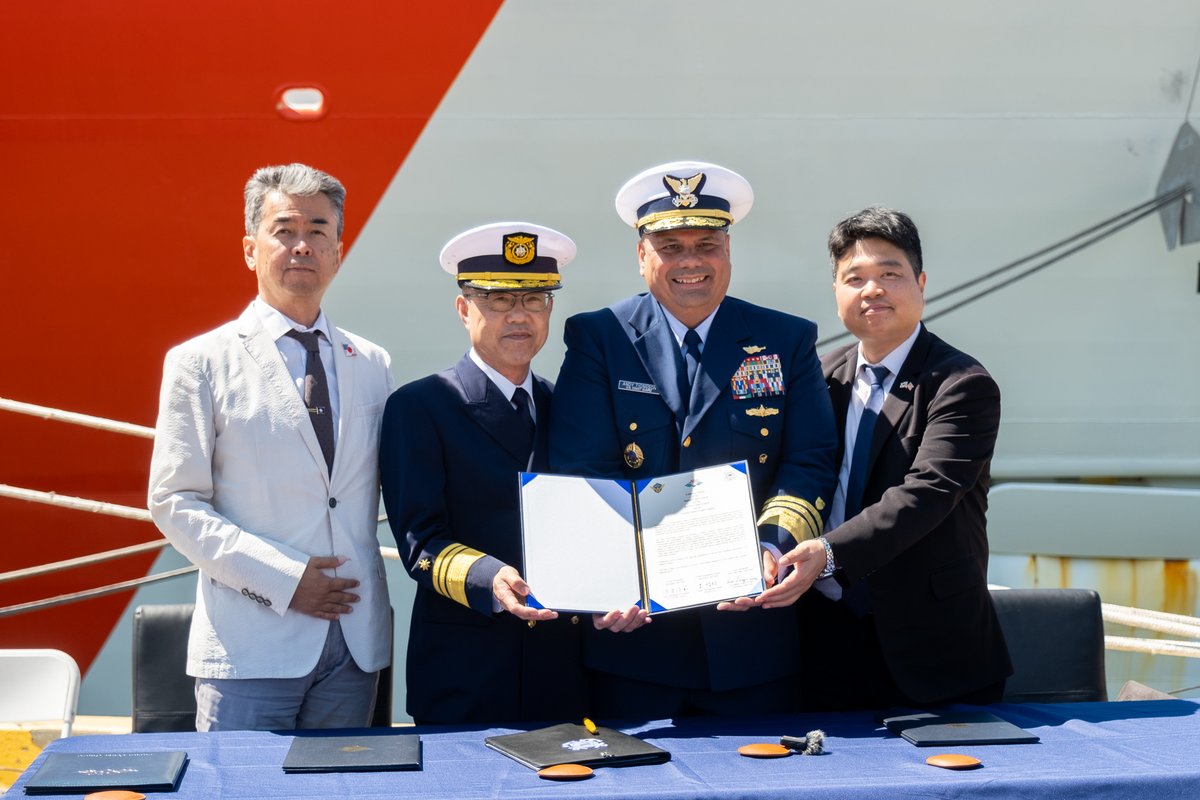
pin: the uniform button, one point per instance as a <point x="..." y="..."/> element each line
<point x="764" y="431"/>
<point x="687" y="442"/>
<point x="532" y="622"/>
<point x="575" y="619"/>
<point x="333" y="502"/>
<point x="762" y="458"/>
<point x="633" y="426"/>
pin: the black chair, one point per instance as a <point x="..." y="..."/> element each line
<point x="164" y="696"/>
<point x="1056" y="641"/>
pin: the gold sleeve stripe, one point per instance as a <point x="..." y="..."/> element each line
<point x="797" y="516"/>
<point x="450" y="571"/>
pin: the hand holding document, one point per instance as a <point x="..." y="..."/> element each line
<point x="666" y="543"/>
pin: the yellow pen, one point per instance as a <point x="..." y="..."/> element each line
<point x="591" y="726"/>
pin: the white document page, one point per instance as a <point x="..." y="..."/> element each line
<point x="699" y="538"/>
<point x="580" y="545"/>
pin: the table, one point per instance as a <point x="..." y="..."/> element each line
<point x="1147" y="749"/>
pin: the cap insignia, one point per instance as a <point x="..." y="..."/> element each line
<point x="520" y="248"/>
<point x="684" y="190"/>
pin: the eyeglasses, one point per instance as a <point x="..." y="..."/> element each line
<point x="501" y="302"/>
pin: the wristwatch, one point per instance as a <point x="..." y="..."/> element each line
<point x="830" y="564"/>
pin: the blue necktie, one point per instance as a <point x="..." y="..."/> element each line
<point x="691" y="354"/>
<point x="862" y="441"/>
<point x="691" y="363"/>
<point x="858" y="596"/>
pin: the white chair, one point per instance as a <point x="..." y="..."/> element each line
<point x="38" y="685"/>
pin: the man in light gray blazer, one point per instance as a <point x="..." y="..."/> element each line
<point x="264" y="475"/>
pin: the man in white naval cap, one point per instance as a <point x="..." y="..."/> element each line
<point x="683" y="377"/>
<point x="453" y="444"/>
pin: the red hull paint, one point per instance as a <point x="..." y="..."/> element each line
<point x="126" y="132"/>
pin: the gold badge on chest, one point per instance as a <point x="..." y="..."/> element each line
<point x="634" y="457"/>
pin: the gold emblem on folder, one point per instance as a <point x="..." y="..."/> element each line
<point x="762" y="411"/>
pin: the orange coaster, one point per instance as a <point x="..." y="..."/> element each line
<point x="764" y="750"/>
<point x="565" y="772"/>
<point x="114" y="794"/>
<point x="953" y="761"/>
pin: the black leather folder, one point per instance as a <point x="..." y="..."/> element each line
<point x="81" y="773"/>
<point x="957" y="728"/>
<point x="574" y="744"/>
<point x="382" y="753"/>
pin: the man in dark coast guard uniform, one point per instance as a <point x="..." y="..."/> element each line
<point x="685" y="377"/>
<point x="452" y="446"/>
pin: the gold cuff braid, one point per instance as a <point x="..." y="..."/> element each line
<point x="797" y="516"/>
<point x="450" y="572"/>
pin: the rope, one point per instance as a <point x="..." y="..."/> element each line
<point x="1155" y="647"/>
<point x="1161" y="621"/>
<point x="89" y="593"/>
<point x="95" y="558"/>
<point x="74" y="503"/>
<point x="390" y="553"/>
<point x="76" y="419"/>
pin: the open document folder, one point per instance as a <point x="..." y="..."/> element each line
<point x="666" y="543"/>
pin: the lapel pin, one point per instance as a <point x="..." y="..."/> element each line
<point x="907" y="385"/>
<point x="349" y="350"/>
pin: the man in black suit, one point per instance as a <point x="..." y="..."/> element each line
<point x="452" y="447"/>
<point x="901" y="613"/>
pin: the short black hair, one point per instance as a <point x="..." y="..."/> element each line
<point x="876" y="222"/>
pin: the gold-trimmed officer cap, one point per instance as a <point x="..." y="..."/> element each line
<point x="508" y="256"/>
<point x="684" y="194"/>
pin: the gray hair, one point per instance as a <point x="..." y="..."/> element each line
<point x="300" y="180"/>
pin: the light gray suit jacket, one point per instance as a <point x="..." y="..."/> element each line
<point x="239" y="486"/>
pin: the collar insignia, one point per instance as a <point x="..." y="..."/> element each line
<point x="762" y="411"/>
<point x="683" y="190"/>
<point x="752" y="349"/>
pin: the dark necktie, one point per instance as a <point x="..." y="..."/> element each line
<point x="691" y="354"/>
<point x="858" y="596"/>
<point x="691" y="360"/>
<point x="862" y="441"/>
<point x="316" y="393"/>
<point x="525" y="422"/>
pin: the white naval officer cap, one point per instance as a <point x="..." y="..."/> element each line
<point x="684" y="194"/>
<point x="508" y="256"/>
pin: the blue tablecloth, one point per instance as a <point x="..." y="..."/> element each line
<point x="1147" y="750"/>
